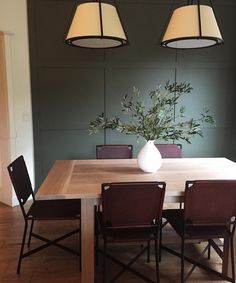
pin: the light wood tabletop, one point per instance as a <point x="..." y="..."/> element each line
<point x="83" y="178"/>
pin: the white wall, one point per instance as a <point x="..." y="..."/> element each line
<point x="13" y="22"/>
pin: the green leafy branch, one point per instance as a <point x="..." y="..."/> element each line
<point x="157" y="121"/>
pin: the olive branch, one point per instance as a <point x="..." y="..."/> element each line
<point x="162" y="120"/>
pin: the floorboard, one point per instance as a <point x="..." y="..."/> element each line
<point x="56" y="266"/>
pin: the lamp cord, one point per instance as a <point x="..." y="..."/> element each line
<point x="175" y="79"/>
<point x="104" y="103"/>
<point x="176" y="61"/>
<point x="212" y="8"/>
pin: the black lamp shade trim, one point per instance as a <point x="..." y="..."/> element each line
<point x="217" y="41"/>
<point x="122" y="42"/>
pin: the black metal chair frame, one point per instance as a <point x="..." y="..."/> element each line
<point x="154" y="226"/>
<point x="31" y="214"/>
<point x="229" y="232"/>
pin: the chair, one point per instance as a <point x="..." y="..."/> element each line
<point x="131" y="213"/>
<point x="209" y="213"/>
<point x="170" y="150"/>
<point x="60" y="209"/>
<point x="111" y="151"/>
<point x="114" y="151"/>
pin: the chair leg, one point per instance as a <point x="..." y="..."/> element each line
<point x="96" y="229"/>
<point x="232" y="257"/>
<point x="182" y="260"/>
<point x="209" y="250"/>
<point x="104" y="260"/>
<point x="157" y="259"/>
<point x="148" y="251"/>
<point x="96" y="244"/>
<point x="160" y="240"/>
<point x="22" y="247"/>
<point x="80" y="247"/>
<point x="30" y="233"/>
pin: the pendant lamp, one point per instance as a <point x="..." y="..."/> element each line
<point x="192" y="26"/>
<point x="96" y="25"/>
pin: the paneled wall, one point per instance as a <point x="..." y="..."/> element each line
<point x="70" y="86"/>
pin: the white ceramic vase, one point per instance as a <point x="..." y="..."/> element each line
<point x="149" y="158"/>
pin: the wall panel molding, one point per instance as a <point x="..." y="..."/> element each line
<point x="71" y="86"/>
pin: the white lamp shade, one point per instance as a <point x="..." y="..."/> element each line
<point x="86" y="29"/>
<point x="185" y="31"/>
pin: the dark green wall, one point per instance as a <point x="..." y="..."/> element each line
<point x="70" y="86"/>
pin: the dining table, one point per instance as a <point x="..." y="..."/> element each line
<point x="82" y="179"/>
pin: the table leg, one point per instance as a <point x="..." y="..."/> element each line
<point x="227" y="266"/>
<point x="87" y="245"/>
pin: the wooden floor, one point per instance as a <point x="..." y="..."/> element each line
<point x="54" y="265"/>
